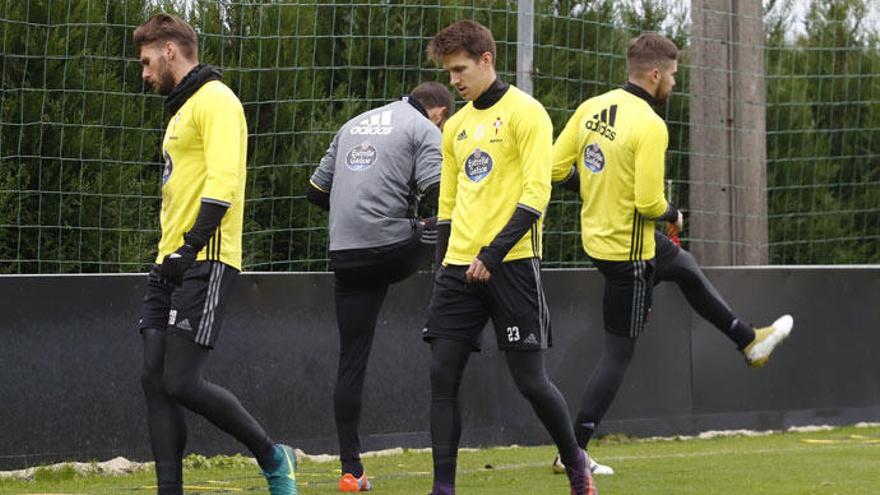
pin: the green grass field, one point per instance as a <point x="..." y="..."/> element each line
<point x="845" y="461"/>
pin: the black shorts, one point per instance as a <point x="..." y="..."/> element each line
<point x="513" y="298"/>
<point x="193" y="310"/>
<point x="389" y="267"/>
<point x="626" y="303"/>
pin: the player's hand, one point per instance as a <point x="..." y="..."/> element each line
<point x="428" y="230"/>
<point x="673" y="229"/>
<point x="175" y="264"/>
<point x="477" y="272"/>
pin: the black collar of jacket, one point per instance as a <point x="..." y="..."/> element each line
<point x="491" y="96"/>
<point x="640" y="92"/>
<point x="191" y="82"/>
<point x="412" y="100"/>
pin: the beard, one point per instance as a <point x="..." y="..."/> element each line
<point x="663" y="93"/>
<point x="164" y="80"/>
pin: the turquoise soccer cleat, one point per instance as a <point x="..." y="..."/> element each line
<point x="282" y="481"/>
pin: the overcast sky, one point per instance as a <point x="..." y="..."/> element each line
<point x="799" y="10"/>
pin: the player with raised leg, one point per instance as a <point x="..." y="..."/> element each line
<point x="375" y="164"/>
<point x="618" y="143"/>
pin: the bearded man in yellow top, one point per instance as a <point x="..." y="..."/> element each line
<point x="205" y="149"/>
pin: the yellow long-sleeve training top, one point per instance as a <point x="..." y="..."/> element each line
<point x="618" y="144"/>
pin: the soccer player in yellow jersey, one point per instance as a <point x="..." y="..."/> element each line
<point x="494" y="188"/>
<point x="617" y="144"/>
<point x="204" y="148"/>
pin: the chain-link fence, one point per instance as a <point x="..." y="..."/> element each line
<point x="80" y="165"/>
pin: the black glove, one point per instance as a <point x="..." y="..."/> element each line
<point x="175" y="264"/>
<point x="428" y="230"/>
<point x="444" y="230"/>
<point x="318" y="197"/>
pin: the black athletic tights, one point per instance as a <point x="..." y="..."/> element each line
<point x="618" y="352"/>
<point x="703" y="296"/>
<point x="173" y="379"/>
<point x="357" y="309"/>
<point x="448" y="360"/>
<point x="359" y="293"/>
<point x="603" y="385"/>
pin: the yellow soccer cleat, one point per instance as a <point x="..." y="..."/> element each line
<point x="766" y="339"/>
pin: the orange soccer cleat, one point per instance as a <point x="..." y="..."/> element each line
<point x="348" y="483"/>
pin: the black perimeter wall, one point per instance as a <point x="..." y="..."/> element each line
<point x="70" y="360"/>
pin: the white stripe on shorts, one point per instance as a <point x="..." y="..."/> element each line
<point x="543" y="311"/>
<point x="638" y="302"/>
<point x="208" y="308"/>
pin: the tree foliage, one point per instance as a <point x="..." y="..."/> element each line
<point x="79" y="132"/>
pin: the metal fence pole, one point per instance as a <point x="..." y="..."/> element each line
<point x="525" y="43"/>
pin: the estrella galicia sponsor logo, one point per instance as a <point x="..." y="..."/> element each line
<point x="478" y="165"/>
<point x="594" y="159"/>
<point x="169" y="167"/>
<point x="377" y="124"/>
<point x="361" y="157"/>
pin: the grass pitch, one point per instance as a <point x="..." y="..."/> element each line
<point x="844" y="461"/>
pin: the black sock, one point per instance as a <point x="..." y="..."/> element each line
<point x="742" y="333"/>
<point x="169" y="477"/>
<point x="267" y="460"/>
<point x="583" y="433"/>
<point x="356" y="468"/>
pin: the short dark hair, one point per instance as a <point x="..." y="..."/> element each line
<point x="432" y="94"/>
<point x="649" y="51"/>
<point x="465" y="35"/>
<point x="166" y="27"/>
